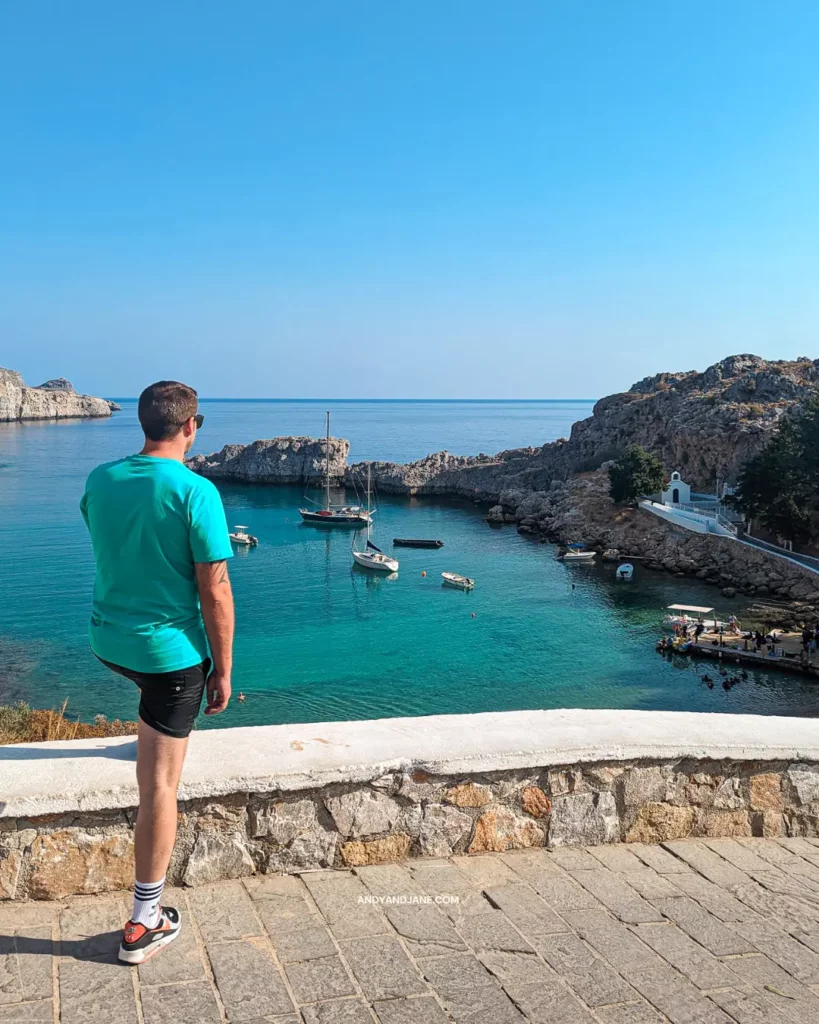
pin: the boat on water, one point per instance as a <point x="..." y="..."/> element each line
<point x="414" y="542"/>
<point x="452" y="579"/>
<point x="372" y="557"/>
<point x="241" y="536"/>
<point x="625" y="571"/>
<point x="691" y="615"/>
<point x="329" y="514"/>
<point x="577" y="553"/>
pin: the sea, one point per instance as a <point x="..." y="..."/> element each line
<point x="319" y="638"/>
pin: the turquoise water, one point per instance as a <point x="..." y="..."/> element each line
<point x="318" y="639"/>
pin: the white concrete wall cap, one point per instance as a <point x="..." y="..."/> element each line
<point x="98" y="774"/>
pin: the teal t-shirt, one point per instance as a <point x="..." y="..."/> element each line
<point x="150" y="520"/>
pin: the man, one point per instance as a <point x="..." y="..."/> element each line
<point x="162" y="617"/>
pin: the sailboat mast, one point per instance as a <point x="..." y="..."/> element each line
<point x="327" y="465"/>
<point x="369" y="471"/>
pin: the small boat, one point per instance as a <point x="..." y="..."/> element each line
<point x="577" y="553"/>
<point x="691" y="615"/>
<point x="334" y="515"/>
<point x="412" y="542"/>
<point x="241" y="536"/>
<point x="625" y="571"/>
<point x="452" y="579"/>
<point x="372" y="557"/>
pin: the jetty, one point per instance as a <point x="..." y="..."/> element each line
<point x="785" y="653"/>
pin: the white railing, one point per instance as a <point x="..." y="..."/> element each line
<point x="697" y="522"/>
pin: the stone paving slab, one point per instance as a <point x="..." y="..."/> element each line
<point x="691" y="932"/>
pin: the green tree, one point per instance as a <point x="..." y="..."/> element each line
<point x="636" y="472"/>
<point x="779" y="486"/>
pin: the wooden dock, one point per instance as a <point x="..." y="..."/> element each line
<point x="785" y="655"/>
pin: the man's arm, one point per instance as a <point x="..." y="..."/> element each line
<point x="216" y="599"/>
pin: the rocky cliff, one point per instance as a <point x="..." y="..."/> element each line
<point x="704" y="424"/>
<point x="280" y="460"/>
<point x="54" y="400"/>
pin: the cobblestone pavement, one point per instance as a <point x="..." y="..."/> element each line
<point x="693" y="932"/>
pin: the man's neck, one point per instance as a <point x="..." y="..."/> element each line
<point x="164" y="450"/>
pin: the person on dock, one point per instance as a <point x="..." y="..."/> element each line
<point x="162" y="616"/>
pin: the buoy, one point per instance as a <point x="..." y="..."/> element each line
<point x="423" y="573"/>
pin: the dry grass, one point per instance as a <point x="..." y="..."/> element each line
<point x="21" y="724"/>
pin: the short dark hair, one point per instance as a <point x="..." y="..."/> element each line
<point x="165" y="407"/>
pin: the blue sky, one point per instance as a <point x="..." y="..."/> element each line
<point x="407" y="199"/>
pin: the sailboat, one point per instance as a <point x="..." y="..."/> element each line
<point x="372" y="557"/>
<point x="329" y="514"/>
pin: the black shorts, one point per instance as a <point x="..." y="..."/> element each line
<point x="169" y="701"/>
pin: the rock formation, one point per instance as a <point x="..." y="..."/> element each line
<point x="54" y="400"/>
<point x="704" y="424"/>
<point x="280" y="460"/>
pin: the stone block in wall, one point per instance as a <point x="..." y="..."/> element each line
<point x="409" y="820"/>
<point x="729" y="795"/>
<point x="802" y="823"/>
<point x="500" y="829"/>
<point x="804" y="779"/>
<point x="660" y="823"/>
<point x="377" y="851"/>
<point x="724" y="824"/>
<point x="10" y="863"/>
<point x="444" y="830"/>
<point x="216" y="856"/>
<point x="282" y="820"/>
<point x="363" y="812"/>
<point x="654" y="784"/>
<point x="584" y="818"/>
<point x="563" y="781"/>
<point x="317" y="849"/>
<point x="469" y="794"/>
<point x="602" y="777"/>
<point x="73" y="862"/>
<point x="535" y="802"/>
<point x="418" y="786"/>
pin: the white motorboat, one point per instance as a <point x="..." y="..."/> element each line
<point x="577" y="553"/>
<point x="334" y="515"/>
<point x="692" y="615"/>
<point x="452" y="579"/>
<point x="625" y="571"/>
<point x="372" y="557"/>
<point x="241" y="536"/>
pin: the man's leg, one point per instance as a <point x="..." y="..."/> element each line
<point x="159" y="766"/>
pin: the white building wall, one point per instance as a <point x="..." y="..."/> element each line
<point x="678" y="491"/>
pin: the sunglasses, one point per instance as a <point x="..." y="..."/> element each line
<point x="199" y="419"/>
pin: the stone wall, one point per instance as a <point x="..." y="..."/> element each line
<point x="418" y="813"/>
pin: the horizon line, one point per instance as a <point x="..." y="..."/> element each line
<point x="315" y="401"/>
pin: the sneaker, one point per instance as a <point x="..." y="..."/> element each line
<point x="140" y="943"/>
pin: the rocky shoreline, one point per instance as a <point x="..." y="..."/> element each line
<point x="704" y="424"/>
<point x="280" y="460"/>
<point x="53" y="400"/>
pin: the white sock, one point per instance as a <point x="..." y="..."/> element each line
<point x="147" y="897"/>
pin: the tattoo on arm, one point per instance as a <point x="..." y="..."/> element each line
<point x="212" y="574"/>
